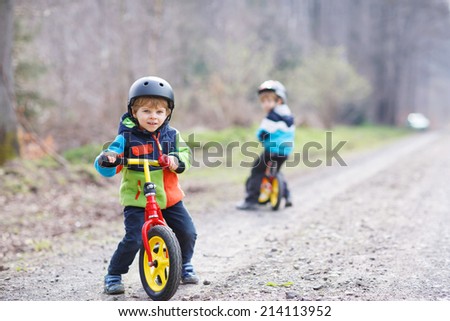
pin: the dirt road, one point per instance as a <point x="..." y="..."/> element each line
<point x="377" y="229"/>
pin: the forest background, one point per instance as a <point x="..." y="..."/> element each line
<point x="67" y="65"/>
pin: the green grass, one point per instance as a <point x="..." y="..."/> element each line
<point x="220" y="148"/>
<point x="356" y="139"/>
<point x="224" y="136"/>
<point x="366" y="136"/>
<point x="83" y="155"/>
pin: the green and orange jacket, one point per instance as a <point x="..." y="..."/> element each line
<point x="133" y="142"/>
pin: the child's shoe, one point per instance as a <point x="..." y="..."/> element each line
<point x="113" y="284"/>
<point x="288" y="202"/>
<point x="188" y="275"/>
<point x="247" y="206"/>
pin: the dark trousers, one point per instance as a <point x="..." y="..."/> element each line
<point x="178" y="219"/>
<point x="253" y="183"/>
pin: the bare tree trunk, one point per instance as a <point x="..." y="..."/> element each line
<point x="9" y="147"/>
<point x="156" y="11"/>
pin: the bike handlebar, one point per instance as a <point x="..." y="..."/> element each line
<point x="162" y="161"/>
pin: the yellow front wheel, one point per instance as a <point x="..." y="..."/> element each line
<point x="161" y="277"/>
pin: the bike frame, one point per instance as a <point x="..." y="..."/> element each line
<point x="271" y="169"/>
<point x="153" y="214"/>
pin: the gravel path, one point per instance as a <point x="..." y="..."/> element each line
<point x="377" y="229"/>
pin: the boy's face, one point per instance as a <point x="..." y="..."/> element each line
<point x="268" y="102"/>
<point x="151" y="116"/>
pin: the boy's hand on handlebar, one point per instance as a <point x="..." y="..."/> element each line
<point x="170" y="162"/>
<point x="173" y="163"/>
<point x="108" y="159"/>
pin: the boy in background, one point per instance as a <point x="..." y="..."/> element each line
<point x="276" y="133"/>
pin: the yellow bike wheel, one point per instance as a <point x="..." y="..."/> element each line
<point x="161" y="277"/>
<point x="277" y="192"/>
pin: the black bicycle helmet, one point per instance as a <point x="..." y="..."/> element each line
<point x="274" y="86"/>
<point x="151" y="86"/>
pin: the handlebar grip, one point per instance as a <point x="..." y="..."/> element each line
<point x="164" y="160"/>
<point x="121" y="161"/>
<point x="103" y="160"/>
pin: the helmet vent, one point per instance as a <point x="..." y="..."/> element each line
<point x="161" y="84"/>
<point x="146" y="83"/>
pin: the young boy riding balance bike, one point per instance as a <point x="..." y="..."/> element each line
<point x="144" y="132"/>
<point x="276" y="133"/>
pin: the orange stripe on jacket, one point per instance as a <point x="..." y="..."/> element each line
<point x="142" y="149"/>
<point x="174" y="193"/>
<point x="119" y="168"/>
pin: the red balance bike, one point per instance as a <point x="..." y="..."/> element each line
<point x="160" y="254"/>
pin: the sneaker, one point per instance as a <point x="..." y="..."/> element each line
<point x="247" y="206"/>
<point x="288" y="202"/>
<point x="188" y="275"/>
<point x="113" y="284"/>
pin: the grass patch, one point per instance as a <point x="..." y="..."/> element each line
<point x="201" y="138"/>
<point x="83" y="155"/>
<point x="219" y="157"/>
<point x="367" y="136"/>
<point x="285" y="284"/>
<point x="227" y="163"/>
<point x="42" y="245"/>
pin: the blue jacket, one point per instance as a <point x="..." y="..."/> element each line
<point x="277" y="131"/>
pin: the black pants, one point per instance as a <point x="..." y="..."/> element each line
<point x="253" y="183"/>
